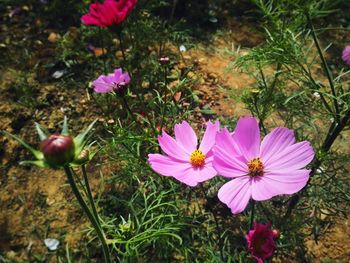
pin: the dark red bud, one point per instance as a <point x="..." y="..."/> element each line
<point x="276" y="234"/>
<point x="58" y="149"/>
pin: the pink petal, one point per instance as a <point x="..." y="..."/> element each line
<point x="117" y="73"/>
<point x="226" y="143"/>
<point x="186" y="137"/>
<point x="168" y="166"/>
<point x="172" y="148"/>
<point x="88" y="19"/>
<point x="100" y="86"/>
<point x="228" y="166"/>
<point x="227" y="158"/>
<point x="247" y="136"/>
<point x="188" y="177"/>
<point x="275" y="142"/>
<point x="208" y="140"/>
<point x="272" y="184"/>
<point x="205" y="173"/>
<point x="293" y="157"/>
<point x="126" y="78"/>
<point x="236" y="193"/>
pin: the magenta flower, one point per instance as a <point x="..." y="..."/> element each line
<point x="108" y="13"/>
<point x="260" y="241"/>
<point x="346" y="55"/>
<point x="260" y="171"/>
<point x="185" y="161"/>
<point x="116" y="81"/>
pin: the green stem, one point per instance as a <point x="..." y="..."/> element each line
<point x="122" y="46"/>
<point x="103" y="51"/>
<point x="252" y="214"/>
<point x="126" y="105"/>
<point x="325" y="67"/>
<point x="89" y="194"/>
<point x="163" y="109"/>
<point x="218" y="230"/>
<point x="87" y="211"/>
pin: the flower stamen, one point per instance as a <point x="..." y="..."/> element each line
<point x="255" y="167"/>
<point x="197" y="158"/>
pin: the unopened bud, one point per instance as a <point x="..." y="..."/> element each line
<point x="83" y="157"/>
<point x="58" y="150"/>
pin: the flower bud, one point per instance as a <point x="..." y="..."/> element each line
<point x="83" y="157"/>
<point x="276" y="234"/>
<point x="58" y="150"/>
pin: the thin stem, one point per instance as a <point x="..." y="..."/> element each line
<point x="317" y="86"/>
<point x="165" y="98"/>
<point x="126" y="105"/>
<point x="217" y="226"/>
<point x="87" y="211"/>
<point x="325" y="67"/>
<point x="121" y="46"/>
<point x="103" y="51"/>
<point x="252" y="214"/>
<point x="89" y="194"/>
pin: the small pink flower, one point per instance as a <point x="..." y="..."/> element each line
<point x="260" y="170"/>
<point x="116" y="81"/>
<point x="185" y="161"/>
<point x="108" y="13"/>
<point x="260" y="241"/>
<point x="346" y="55"/>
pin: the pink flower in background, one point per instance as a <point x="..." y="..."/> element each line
<point x="185" y="161"/>
<point x="260" y="170"/>
<point x="108" y="13"/>
<point x="346" y="55"/>
<point x="260" y="241"/>
<point x="116" y="81"/>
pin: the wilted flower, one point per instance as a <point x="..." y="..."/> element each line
<point x="260" y="241"/>
<point x="184" y="160"/>
<point x="116" y="81"/>
<point x="260" y="171"/>
<point x="108" y="13"/>
<point x="346" y="55"/>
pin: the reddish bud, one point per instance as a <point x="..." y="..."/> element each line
<point x="276" y="234"/>
<point x="58" y="149"/>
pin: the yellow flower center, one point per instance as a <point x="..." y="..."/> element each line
<point x="197" y="158"/>
<point x="255" y="167"/>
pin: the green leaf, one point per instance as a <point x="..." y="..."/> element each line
<point x="65" y="130"/>
<point x="41" y="133"/>
<point x="79" y="140"/>
<point x="39" y="163"/>
<point x="39" y="155"/>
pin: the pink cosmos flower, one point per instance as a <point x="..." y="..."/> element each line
<point x="108" y="13"/>
<point x="112" y="82"/>
<point x="260" y="241"/>
<point x="346" y="55"/>
<point x="260" y="171"/>
<point x="185" y="161"/>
